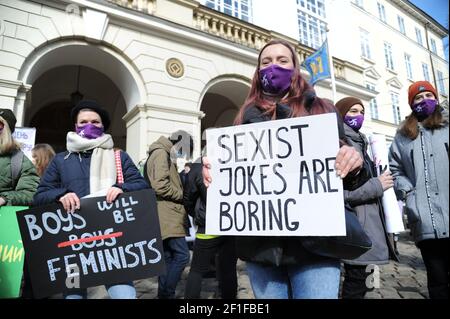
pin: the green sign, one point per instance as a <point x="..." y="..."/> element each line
<point x="11" y="252"/>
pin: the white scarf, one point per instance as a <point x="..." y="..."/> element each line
<point x="103" y="164"/>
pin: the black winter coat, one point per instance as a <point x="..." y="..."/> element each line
<point x="195" y="196"/>
<point x="71" y="174"/>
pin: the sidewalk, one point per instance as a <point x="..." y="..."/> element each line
<point x="404" y="280"/>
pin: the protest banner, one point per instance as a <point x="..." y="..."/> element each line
<point x="12" y="254"/>
<point x="275" y="178"/>
<point x="26" y="137"/>
<point x="98" y="244"/>
<point x="392" y="212"/>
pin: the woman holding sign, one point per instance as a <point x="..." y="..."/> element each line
<point x="418" y="159"/>
<point x="18" y="177"/>
<point x="366" y="200"/>
<point x="279" y="267"/>
<point x="89" y="167"/>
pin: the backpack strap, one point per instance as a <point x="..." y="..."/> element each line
<point x="16" y="167"/>
<point x="120" y="179"/>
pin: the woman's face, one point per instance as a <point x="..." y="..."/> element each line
<point x="89" y="117"/>
<point x="355" y="110"/>
<point x="276" y="54"/>
<point x="423" y="95"/>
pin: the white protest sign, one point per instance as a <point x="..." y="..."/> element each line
<point x="26" y="137"/>
<point x="392" y="212"/>
<point x="275" y="178"/>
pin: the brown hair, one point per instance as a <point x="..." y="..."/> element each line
<point x="42" y="155"/>
<point x="410" y="127"/>
<point x="299" y="93"/>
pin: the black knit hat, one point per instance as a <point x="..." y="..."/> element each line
<point x="94" y="106"/>
<point x="10" y="118"/>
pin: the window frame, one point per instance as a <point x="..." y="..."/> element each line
<point x="373" y="103"/>
<point x="396" y="107"/>
<point x="388" y="56"/>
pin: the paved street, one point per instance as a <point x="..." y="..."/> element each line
<point x="404" y="280"/>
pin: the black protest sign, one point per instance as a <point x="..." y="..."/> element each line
<point x="99" y="244"/>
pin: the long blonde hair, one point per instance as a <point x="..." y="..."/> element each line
<point x="42" y="155"/>
<point x="7" y="143"/>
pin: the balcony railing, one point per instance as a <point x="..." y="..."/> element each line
<point x="233" y="29"/>
<point x="146" y="6"/>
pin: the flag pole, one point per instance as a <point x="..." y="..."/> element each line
<point x="331" y="66"/>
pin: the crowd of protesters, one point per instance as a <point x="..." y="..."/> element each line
<point x="278" y="267"/>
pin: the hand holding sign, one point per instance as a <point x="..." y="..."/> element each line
<point x="277" y="178"/>
<point x="112" y="194"/>
<point x="205" y="171"/>
<point x="386" y="180"/>
<point x="348" y="159"/>
<point x="105" y="243"/>
<point x="70" y="202"/>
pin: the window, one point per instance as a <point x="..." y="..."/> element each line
<point x="359" y="3"/>
<point x="373" y="102"/>
<point x="312" y="30"/>
<point x="419" y="36"/>
<point x="396" y="108"/>
<point x="313" y="6"/>
<point x="401" y="24"/>
<point x="365" y="45"/>
<point x="408" y="66"/>
<point x="237" y="8"/>
<point x="426" y="74"/>
<point x="388" y="56"/>
<point x="433" y="46"/>
<point x="440" y="80"/>
<point x="381" y="12"/>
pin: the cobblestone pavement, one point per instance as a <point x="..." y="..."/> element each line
<point x="398" y="280"/>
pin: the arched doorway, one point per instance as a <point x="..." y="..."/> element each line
<point x="56" y="91"/>
<point x="221" y="102"/>
<point x="96" y="70"/>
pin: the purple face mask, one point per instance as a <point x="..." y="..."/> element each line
<point x="89" y="131"/>
<point x="275" y="79"/>
<point x="424" y="108"/>
<point x="355" y="122"/>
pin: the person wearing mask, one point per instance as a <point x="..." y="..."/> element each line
<point x="88" y="167"/>
<point x="418" y="158"/>
<point x="366" y="201"/>
<point x="280" y="267"/>
<point x="162" y="173"/>
<point x="19" y="179"/>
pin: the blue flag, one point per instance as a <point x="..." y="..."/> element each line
<point x="318" y="64"/>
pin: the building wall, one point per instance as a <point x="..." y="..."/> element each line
<point x="347" y="31"/>
<point x="144" y="45"/>
<point x="133" y="46"/>
<point x="345" y="19"/>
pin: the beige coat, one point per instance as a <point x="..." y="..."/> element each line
<point x="166" y="182"/>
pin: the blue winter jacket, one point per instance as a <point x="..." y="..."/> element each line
<point x="71" y="174"/>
